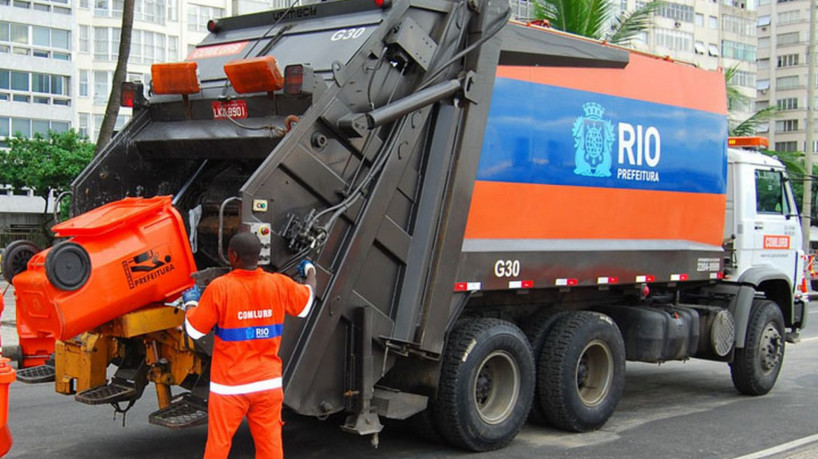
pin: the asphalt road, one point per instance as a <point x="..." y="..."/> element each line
<point x="676" y="410"/>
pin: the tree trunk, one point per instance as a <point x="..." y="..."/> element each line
<point x="112" y="109"/>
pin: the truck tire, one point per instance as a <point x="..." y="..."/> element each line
<point x="536" y="329"/>
<point x="581" y="371"/>
<point x="755" y="367"/>
<point x="486" y="385"/>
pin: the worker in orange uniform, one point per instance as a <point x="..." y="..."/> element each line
<point x="247" y="307"/>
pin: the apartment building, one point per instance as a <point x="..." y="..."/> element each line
<point x="35" y="66"/>
<point x="783" y="38"/>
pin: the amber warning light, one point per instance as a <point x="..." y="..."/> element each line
<point x="748" y="142"/>
<point x="258" y="74"/>
<point x="175" y="78"/>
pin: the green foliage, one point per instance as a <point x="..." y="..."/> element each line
<point x="596" y="18"/>
<point x="748" y="126"/>
<point x="629" y="24"/>
<point x="45" y="163"/>
<point x="796" y="170"/>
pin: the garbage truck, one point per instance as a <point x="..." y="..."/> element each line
<point x="501" y="215"/>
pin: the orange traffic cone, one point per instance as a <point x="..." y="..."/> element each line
<point x="7" y="376"/>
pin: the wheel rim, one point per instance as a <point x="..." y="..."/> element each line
<point x="496" y="387"/>
<point x="770" y="348"/>
<point x="594" y="373"/>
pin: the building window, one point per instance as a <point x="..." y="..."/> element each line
<point x="763" y="21"/>
<point x="738" y="25"/>
<point x="786" y="146"/>
<point x="699" y="47"/>
<point x="102" y="87"/>
<point x="28" y="86"/>
<point x="786" y="125"/>
<point x="763" y="64"/>
<point x="699" y="20"/>
<point x="106" y="43"/>
<point x="745" y="79"/>
<point x="83" y="84"/>
<point x="173" y="49"/>
<point x="788" y="60"/>
<point x="148" y="47"/>
<point x="674" y="39"/>
<point x="787" y="82"/>
<point x="110" y="8"/>
<point x="152" y="11"/>
<point x="675" y="11"/>
<point x="764" y="42"/>
<point x="85" y="46"/>
<point x="739" y="51"/>
<point x="788" y="17"/>
<point x="83" y="127"/>
<point x="789" y="103"/>
<point x="173" y="10"/>
<point x="197" y="17"/>
<point x="787" y="38"/>
<point x="713" y="22"/>
<point x="27" y="126"/>
<point x="25" y="40"/>
<point x="761" y="105"/>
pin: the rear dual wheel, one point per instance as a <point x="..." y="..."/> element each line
<point x="486" y="385"/>
<point x="581" y="371"/>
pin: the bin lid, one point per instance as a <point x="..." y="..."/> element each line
<point x="110" y="216"/>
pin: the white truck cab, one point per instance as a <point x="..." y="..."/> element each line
<point x="762" y="228"/>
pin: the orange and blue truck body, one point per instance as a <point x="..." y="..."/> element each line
<point x="599" y="176"/>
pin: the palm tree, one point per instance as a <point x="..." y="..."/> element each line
<point x="112" y="109"/>
<point x="735" y="97"/>
<point x="596" y="18"/>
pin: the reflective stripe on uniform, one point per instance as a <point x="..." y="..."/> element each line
<point x="249" y="333"/>
<point x="257" y="386"/>
<point x="306" y="311"/>
<point x="192" y="332"/>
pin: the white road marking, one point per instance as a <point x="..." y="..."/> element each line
<point x="781" y="448"/>
<point x="809" y="340"/>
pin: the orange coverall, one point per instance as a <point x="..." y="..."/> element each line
<point x="247" y="308"/>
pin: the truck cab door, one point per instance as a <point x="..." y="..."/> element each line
<point x="776" y="227"/>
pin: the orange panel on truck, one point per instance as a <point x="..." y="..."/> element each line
<point x="120" y="257"/>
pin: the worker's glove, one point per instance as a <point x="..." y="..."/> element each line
<point x="304" y="268"/>
<point x="190" y="297"/>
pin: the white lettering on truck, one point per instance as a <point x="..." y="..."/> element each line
<point x="637" y="146"/>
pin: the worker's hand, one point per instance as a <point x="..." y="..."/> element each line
<point x="304" y="268"/>
<point x="190" y="297"/>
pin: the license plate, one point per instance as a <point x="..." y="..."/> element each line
<point x="236" y="109"/>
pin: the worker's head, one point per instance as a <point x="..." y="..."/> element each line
<point x="243" y="251"/>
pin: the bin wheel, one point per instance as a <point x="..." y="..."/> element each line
<point x="16" y="257"/>
<point x="68" y="266"/>
<point x="486" y="385"/>
<point x="755" y="367"/>
<point x="581" y="371"/>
